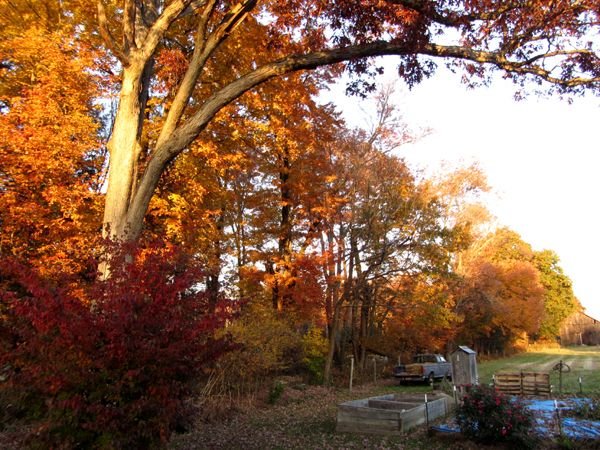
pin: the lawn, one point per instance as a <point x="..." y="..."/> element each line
<point x="581" y="363"/>
<point x="304" y="416"/>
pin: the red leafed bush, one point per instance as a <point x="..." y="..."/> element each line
<point x="112" y="370"/>
<point x="487" y="415"/>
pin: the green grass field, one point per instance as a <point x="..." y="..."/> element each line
<point x="582" y="362"/>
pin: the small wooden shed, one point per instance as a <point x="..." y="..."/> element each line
<point x="464" y="366"/>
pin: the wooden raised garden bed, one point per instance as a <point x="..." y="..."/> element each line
<point x="391" y="414"/>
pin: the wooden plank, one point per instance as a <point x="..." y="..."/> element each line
<point x="523" y="383"/>
<point x="367" y="413"/>
<point x="366" y="429"/>
<point x="412" y="418"/>
<point x="537" y="383"/>
<point x="390" y="404"/>
<point x="437" y="409"/>
<point x="380" y="424"/>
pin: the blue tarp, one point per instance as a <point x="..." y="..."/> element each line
<point x="546" y="419"/>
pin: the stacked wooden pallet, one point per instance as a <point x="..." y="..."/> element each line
<point x="523" y="383"/>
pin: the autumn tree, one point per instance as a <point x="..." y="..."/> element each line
<point x="420" y="314"/>
<point x="541" y="40"/>
<point x="502" y="297"/>
<point x="420" y="306"/>
<point x="51" y="154"/>
<point x="251" y="196"/>
<point x="380" y="223"/>
<point x="291" y="156"/>
<point x="461" y="191"/>
<point x="559" y="299"/>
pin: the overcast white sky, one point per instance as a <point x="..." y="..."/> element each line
<point x="541" y="156"/>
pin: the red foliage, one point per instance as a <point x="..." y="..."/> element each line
<point x="115" y="371"/>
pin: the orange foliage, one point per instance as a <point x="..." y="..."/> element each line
<point x="502" y="297"/>
<point x="423" y="319"/>
<point x="50" y="153"/>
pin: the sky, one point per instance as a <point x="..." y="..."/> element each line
<point x="541" y="157"/>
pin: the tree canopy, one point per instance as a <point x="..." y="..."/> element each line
<point x="215" y="51"/>
<point x="178" y="147"/>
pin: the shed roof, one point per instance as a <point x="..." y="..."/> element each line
<point x="466" y="349"/>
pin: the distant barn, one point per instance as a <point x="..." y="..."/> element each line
<point x="580" y="329"/>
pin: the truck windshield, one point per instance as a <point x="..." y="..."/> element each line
<point x="429" y="359"/>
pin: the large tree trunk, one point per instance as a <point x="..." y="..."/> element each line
<point x="124" y="147"/>
<point x="126" y="151"/>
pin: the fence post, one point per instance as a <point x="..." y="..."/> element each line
<point x="351" y="371"/>
<point x="558" y="419"/>
<point x="374" y="370"/>
<point x="560" y="366"/>
<point x="426" y="412"/>
<point x="521" y="382"/>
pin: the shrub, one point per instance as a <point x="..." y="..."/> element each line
<point x="267" y="344"/>
<point x="314" y="352"/>
<point x="275" y="392"/>
<point x="112" y="370"/>
<point x="487" y="415"/>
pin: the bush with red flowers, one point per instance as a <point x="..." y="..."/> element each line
<point x="487" y="415"/>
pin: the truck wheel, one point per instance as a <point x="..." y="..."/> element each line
<point x="430" y="378"/>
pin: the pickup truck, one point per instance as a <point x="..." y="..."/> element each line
<point x="425" y="367"/>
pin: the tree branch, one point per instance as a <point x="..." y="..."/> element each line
<point x="107" y="36"/>
<point x="184" y="135"/>
<point x="129" y="25"/>
<point x="501" y="61"/>
<point x="161" y="25"/>
<point x="203" y="49"/>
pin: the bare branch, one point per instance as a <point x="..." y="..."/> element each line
<point x="107" y="36"/>
<point x="161" y="25"/>
<point x="129" y="25"/>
